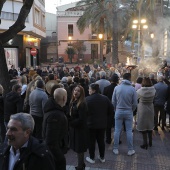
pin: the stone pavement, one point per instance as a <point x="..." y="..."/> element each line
<point x="156" y="157"/>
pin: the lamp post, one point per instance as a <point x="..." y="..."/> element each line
<point x="101" y="47"/>
<point x="140" y="24"/>
<point x="152" y="38"/>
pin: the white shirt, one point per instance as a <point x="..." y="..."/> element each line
<point x="14" y="157"/>
<point x="24" y="88"/>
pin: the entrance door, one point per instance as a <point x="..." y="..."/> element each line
<point x="94" y="51"/>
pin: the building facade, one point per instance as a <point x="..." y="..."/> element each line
<point x="48" y="44"/>
<point x="68" y="33"/>
<point x="18" y="49"/>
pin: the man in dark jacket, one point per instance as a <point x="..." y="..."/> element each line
<point x="108" y="91"/>
<point x="55" y="126"/>
<point x="99" y="108"/>
<point x="159" y="101"/>
<point x="24" y="152"/>
<point x="12" y="102"/>
<point x="13" y="72"/>
<point x="87" y="68"/>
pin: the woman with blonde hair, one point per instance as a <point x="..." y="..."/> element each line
<point x="78" y="125"/>
<point x="31" y="74"/>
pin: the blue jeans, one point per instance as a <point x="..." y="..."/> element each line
<point x="127" y="117"/>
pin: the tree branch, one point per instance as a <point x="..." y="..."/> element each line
<point x="19" y="25"/>
<point x="1" y="4"/>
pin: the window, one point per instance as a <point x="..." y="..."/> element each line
<point x="43" y="21"/>
<point x="10" y="16"/>
<point x="70" y="30"/>
<point x="37" y="17"/>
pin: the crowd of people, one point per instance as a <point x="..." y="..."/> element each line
<point x="52" y="109"/>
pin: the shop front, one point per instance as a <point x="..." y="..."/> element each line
<point x="18" y="51"/>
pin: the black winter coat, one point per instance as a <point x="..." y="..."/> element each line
<point x="87" y="68"/>
<point x="55" y="127"/>
<point x="108" y="91"/>
<point x="168" y="101"/>
<point x="35" y="156"/>
<point x="1" y="105"/>
<point x="78" y="127"/>
<point x="12" y="104"/>
<point x="2" y="126"/>
<point x="86" y="89"/>
<point x="99" y="108"/>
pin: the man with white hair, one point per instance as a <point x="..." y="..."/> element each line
<point x="159" y="101"/>
<point x="55" y="126"/>
<point x="102" y="82"/>
<point x="24" y="151"/>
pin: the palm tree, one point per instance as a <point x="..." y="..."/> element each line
<point x="70" y="51"/>
<point x="103" y="16"/>
<point x="80" y="48"/>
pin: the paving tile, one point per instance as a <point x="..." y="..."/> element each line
<point x="156" y="157"/>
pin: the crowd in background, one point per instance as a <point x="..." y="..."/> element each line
<point x="78" y="106"/>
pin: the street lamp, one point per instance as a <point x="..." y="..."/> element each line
<point x="69" y="38"/>
<point x="140" y="24"/>
<point x="152" y="35"/>
<point x="101" y="47"/>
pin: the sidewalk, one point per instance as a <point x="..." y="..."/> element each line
<point x="156" y="157"/>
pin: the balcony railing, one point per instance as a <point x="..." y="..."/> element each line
<point x="70" y="13"/>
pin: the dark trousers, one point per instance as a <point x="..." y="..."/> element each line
<point x="160" y="109"/>
<point x="37" y="133"/>
<point x="144" y="135"/>
<point x="108" y="135"/>
<point x="60" y="164"/>
<point x="96" y="135"/>
<point x="81" y="163"/>
<point x="2" y="128"/>
<point x="59" y="158"/>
